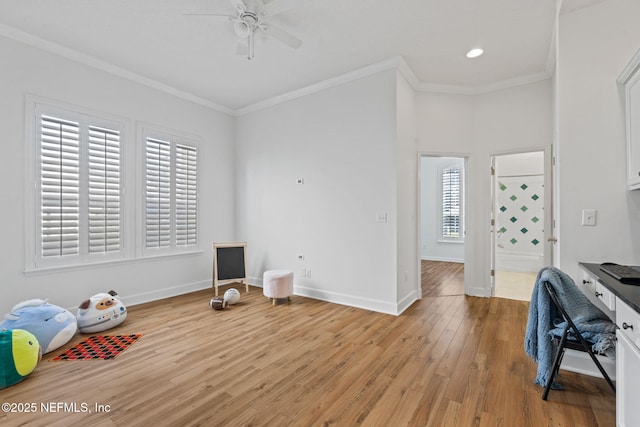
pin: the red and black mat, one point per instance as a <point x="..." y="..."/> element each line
<point x="99" y="347"/>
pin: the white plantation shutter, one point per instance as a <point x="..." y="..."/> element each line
<point x="104" y="190"/>
<point x="186" y="195"/>
<point x="77" y="196"/>
<point x="171" y="193"/>
<point x="59" y="187"/>
<point x="451" y="220"/>
<point x="157" y="193"/>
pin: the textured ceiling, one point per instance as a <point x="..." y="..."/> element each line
<point x="197" y="55"/>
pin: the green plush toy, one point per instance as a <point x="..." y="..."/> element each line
<point x="19" y="355"/>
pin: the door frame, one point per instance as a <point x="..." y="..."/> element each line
<point x="549" y="223"/>
<point x="465" y="211"/>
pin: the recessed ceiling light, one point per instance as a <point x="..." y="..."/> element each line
<point x="474" y="53"/>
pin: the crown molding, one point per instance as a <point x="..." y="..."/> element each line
<point x="482" y="89"/>
<point x="388" y="64"/>
<point x="74" y="55"/>
<point x="629" y="70"/>
<point x="407" y="72"/>
<point x="517" y="81"/>
<point x="397" y="62"/>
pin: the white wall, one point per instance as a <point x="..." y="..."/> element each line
<point x="26" y="70"/>
<point x="595" y="43"/>
<point x="433" y="248"/>
<point x="520" y="164"/>
<point x="477" y="127"/>
<point x="355" y="145"/>
<point x="342" y="142"/>
<point x="408" y="266"/>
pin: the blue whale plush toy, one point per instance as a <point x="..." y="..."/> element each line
<point x="53" y="326"/>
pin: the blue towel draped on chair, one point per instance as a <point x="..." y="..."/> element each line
<point x="545" y="320"/>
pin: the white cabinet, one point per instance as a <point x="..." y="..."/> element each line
<point x="627" y="366"/>
<point x="590" y="286"/>
<point x="606" y="296"/>
<point x="631" y="89"/>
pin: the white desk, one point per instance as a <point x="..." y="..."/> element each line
<point x="624" y="301"/>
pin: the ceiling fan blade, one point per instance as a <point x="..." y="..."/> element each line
<point x="276" y="7"/>
<point x="279" y="34"/>
<point x="238" y="5"/>
<point x="216" y="16"/>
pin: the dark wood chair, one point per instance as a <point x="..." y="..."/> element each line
<point x="574" y="342"/>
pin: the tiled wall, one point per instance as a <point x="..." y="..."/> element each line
<point x="520" y="214"/>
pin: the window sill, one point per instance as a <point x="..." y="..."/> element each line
<point x="37" y="271"/>
<point x="451" y="241"/>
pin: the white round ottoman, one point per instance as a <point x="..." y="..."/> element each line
<point x="277" y="284"/>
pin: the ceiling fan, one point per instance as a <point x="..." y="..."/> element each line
<point x="252" y="16"/>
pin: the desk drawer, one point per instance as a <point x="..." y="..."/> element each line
<point x="588" y="283"/>
<point x="592" y="288"/>
<point x="628" y="320"/>
<point x="606" y="296"/>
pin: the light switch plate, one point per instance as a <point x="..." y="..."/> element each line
<point x="589" y="217"/>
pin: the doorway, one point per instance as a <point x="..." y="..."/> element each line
<point x="521" y="212"/>
<point x="442" y="230"/>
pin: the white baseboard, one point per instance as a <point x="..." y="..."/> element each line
<point x="349" y="300"/>
<point x="407" y="301"/>
<point x="158" y="294"/>
<point x="255" y="281"/>
<point x="431" y="258"/>
<point x="332" y="297"/>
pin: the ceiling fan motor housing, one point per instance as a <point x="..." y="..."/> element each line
<point x="246" y="24"/>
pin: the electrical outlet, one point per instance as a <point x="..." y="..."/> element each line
<point x="308" y="273"/>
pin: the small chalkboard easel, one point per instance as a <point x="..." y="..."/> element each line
<point x="229" y="264"/>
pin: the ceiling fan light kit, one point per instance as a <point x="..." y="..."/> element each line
<point x="253" y="15"/>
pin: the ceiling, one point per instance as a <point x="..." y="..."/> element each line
<point x="197" y="54"/>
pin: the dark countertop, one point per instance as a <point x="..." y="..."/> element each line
<point x="630" y="294"/>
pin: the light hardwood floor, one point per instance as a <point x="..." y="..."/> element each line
<point x="447" y="361"/>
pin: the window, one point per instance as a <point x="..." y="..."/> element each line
<point x="78" y="189"/>
<point x="171" y="193"/>
<point x="452" y="225"/>
<point x="83" y="204"/>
